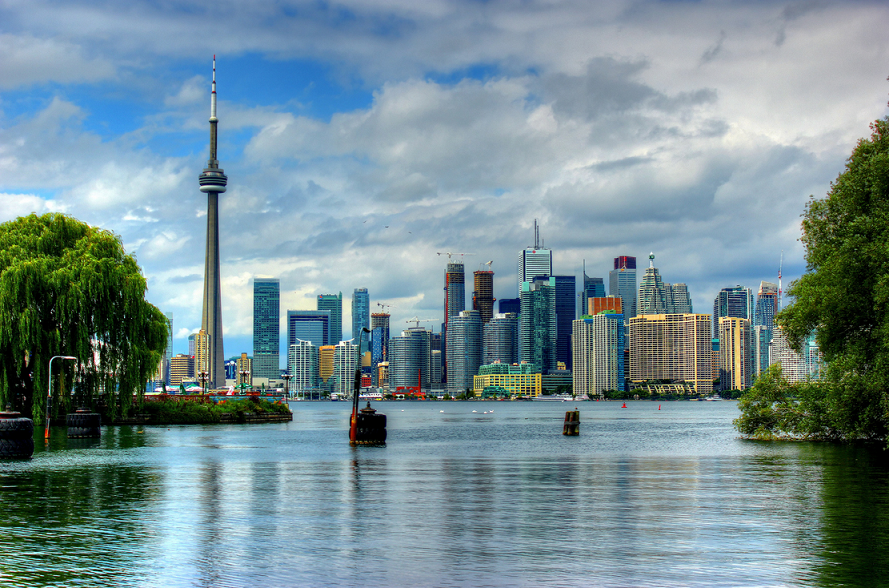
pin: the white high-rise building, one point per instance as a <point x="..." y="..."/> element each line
<point x="302" y="363"/>
<point x="345" y="360"/>
<point x="598" y="346"/>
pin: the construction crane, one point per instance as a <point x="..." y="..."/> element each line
<point x="450" y="254"/>
<point x="487" y="263"/>
<point x="384" y="306"/>
<point x="419" y="320"/>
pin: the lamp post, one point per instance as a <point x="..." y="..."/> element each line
<point x="244" y="374"/>
<point x="49" y="388"/>
<point x="203" y="377"/>
<point x="353" y="424"/>
<point x="287" y="378"/>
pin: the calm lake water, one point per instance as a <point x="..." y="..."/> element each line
<point x="643" y="497"/>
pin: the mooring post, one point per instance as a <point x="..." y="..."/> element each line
<point x="572" y="423"/>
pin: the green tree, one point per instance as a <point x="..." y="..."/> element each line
<point x="67" y="288"/>
<point x="843" y="300"/>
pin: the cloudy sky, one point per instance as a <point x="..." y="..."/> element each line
<point x="361" y="137"/>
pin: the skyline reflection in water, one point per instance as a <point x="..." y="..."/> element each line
<point x="643" y="496"/>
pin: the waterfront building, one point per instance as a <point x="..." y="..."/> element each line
<point x="511" y="380"/>
<point x="622" y="282"/>
<point x="537" y="323"/>
<point x="308" y="325"/>
<point x="325" y="363"/>
<point x="302" y="363"/>
<point x="501" y="339"/>
<point x="566" y="310"/>
<point x="464" y="344"/>
<point x="245" y="369"/>
<point x="345" y="360"/>
<point x="181" y="368"/>
<point x="410" y="359"/>
<point x="672" y="347"/>
<point x="334" y="304"/>
<point x="733" y="302"/>
<point x="598" y="346"/>
<point x="483" y="294"/>
<point x="213" y="182"/>
<point x="735" y="359"/>
<point x="266" y="327"/>
<point x="361" y="317"/>
<point x="796" y="366"/>
<point x="556" y="381"/>
<point x="507" y="305"/>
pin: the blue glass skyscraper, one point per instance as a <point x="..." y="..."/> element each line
<point x="566" y="310"/>
<point x="360" y="317"/>
<point x="266" y="328"/>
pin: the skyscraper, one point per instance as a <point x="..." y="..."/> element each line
<point x="566" y="311"/>
<point x="213" y="182"/>
<point x="672" y="347"/>
<point x="266" y="328"/>
<point x="501" y="339"/>
<point x="333" y="303"/>
<point x="410" y="358"/>
<point x="598" y="346"/>
<point x="464" y="343"/>
<point x="622" y="282"/>
<point x="455" y="290"/>
<point x="681" y="299"/>
<point x="535" y="261"/>
<point x="537" y="323"/>
<point x="168" y="354"/>
<point x="308" y="325"/>
<point x="302" y="364"/>
<point x="652" y="294"/>
<point x="734" y="302"/>
<point x="360" y="317"/>
<point x="734" y="353"/>
<point x="483" y="294"/>
<point x="763" y="326"/>
<point x="592" y="288"/>
<point x="345" y="358"/>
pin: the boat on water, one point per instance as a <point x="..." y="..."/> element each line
<point x="713" y="397"/>
<point x="554" y="398"/>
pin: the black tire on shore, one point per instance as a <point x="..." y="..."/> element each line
<point x="84" y="425"/>
<point x="16" y="438"/>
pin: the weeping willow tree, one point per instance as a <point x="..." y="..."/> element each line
<point x="67" y="288"/>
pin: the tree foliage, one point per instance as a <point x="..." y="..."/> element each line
<point x="843" y="300"/>
<point x="67" y="288"/>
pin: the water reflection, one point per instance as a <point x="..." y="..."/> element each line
<point x="642" y="498"/>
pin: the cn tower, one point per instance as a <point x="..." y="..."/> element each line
<point x="213" y="181"/>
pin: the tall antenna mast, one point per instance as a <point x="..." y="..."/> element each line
<point x="780" y="267"/>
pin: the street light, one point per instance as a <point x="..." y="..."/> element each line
<point x="244" y="374"/>
<point x="287" y="378"/>
<point x="203" y="377"/>
<point x="353" y="423"/>
<point x="49" y="387"/>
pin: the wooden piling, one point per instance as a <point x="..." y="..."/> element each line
<point x="572" y="423"/>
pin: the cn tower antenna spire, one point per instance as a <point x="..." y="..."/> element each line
<point x="213" y="182"/>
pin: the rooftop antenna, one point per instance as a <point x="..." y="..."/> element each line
<point x="651" y="259"/>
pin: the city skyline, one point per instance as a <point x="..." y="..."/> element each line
<point x="357" y="152"/>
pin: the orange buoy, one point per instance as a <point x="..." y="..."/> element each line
<point x="658" y="406"/>
<point x="625" y="405"/>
